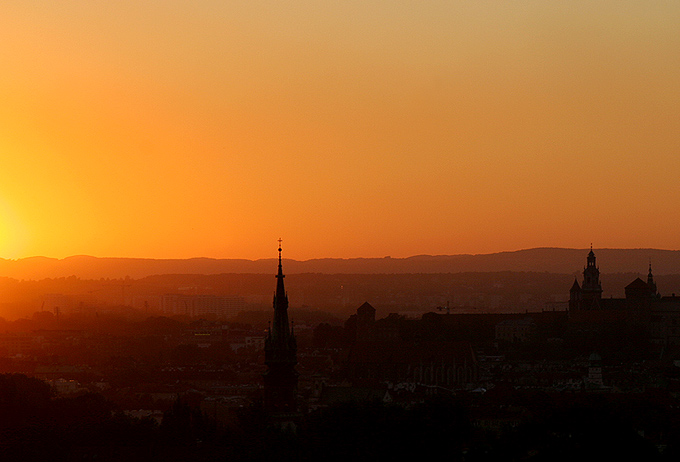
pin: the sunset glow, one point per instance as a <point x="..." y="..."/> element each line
<point x="176" y="129"/>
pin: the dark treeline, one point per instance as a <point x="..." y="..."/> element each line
<point x="36" y="426"/>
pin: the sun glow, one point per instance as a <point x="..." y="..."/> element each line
<point x="183" y="129"/>
<point x="13" y="234"/>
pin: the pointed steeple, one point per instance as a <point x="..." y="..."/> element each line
<point x="280" y="354"/>
<point x="280" y="330"/>
<point x="650" y="280"/>
<point x="574" y="296"/>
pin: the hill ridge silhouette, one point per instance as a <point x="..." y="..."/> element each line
<point x="540" y="259"/>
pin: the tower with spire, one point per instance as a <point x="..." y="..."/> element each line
<point x="281" y="378"/>
<point x="588" y="295"/>
<point x="650" y="282"/>
<point x="591" y="289"/>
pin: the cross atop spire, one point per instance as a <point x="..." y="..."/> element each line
<point x="280" y="275"/>
<point x="280" y="328"/>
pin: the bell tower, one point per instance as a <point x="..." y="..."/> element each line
<point x="591" y="289"/>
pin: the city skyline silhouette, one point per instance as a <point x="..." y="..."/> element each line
<point x="476" y="202"/>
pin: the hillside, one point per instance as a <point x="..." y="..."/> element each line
<point x="552" y="260"/>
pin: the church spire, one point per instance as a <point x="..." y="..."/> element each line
<point x="280" y="354"/>
<point x="280" y="289"/>
<point x="281" y="330"/>
<point x="650" y="279"/>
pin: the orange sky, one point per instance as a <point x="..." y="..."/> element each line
<point x="173" y="129"/>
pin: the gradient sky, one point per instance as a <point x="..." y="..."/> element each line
<point x="174" y="129"/>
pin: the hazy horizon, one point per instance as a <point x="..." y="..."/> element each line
<point x="292" y="257"/>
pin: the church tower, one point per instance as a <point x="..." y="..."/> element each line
<point x="591" y="289"/>
<point x="651" y="283"/>
<point x="280" y="353"/>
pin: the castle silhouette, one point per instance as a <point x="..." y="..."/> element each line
<point x="642" y="304"/>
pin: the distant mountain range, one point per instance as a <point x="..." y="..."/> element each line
<point x="552" y="260"/>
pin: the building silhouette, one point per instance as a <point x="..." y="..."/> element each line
<point x="642" y="305"/>
<point x="202" y="304"/>
<point x="281" y="378"/>
<point x="591" y="290"/>
<point x="382" y="351"/>
<point x="640" y="295"/>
